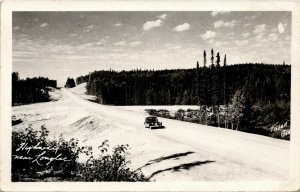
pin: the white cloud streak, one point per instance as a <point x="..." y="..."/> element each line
<point x="44" y="25"/>
<point x="221" y="43"/>
<point x="246" y="35"/>
<point x="273" y="36"/>
<point x="135" y="43"/>
<point x="246" y="25"/>
<point x="241" y="43"/>
<point x="163" y="16"/>
<point x="156" y="23"/>
<point x="152" y="24"/>
<point x="120" y="43"/>
<point x="221" y="23"/>
<point x="183" y="27"/>
<point x="118" y="24"/>
<point x="215" y="13"/>
<point x="208" y="35"/>
<point x="260" y="29"/>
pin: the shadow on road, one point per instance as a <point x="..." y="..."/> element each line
<point x="160" y="127"/>
<point x="174" y="156"/>
<point x="186" y="166"/>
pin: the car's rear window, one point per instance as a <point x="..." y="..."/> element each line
<point x="151" y="119"/>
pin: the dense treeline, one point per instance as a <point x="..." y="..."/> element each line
<point x="30" y="90"/>
<point x="70" y="83"/>
<point x="233" y="96"/>
<point x="260" y="84"/>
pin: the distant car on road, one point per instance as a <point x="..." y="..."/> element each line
<point x="152" y="122"/>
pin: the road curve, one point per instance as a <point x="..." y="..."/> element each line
<point x="260" y="153"/>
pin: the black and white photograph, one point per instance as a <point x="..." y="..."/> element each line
<point x="150" y="96"/>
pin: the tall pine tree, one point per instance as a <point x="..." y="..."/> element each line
<point x="204" y="58"/>
<point x="212" y="57"/>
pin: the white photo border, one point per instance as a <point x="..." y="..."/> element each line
<point x="8" y="7"/>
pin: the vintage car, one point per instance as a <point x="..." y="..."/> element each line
<point x="152" y="122"/>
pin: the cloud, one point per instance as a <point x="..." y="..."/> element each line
<point x="174" y="47"/>
<point x="133" y="57"/>
<point x="246" y="35"/>
<point x="221" y="23"/>
<point x="246" y="25"/>
<point x="250" y="17"/>
<point x="273" y="36"/>
<point x="86" y="44"/>
<point x="274" y="30"/>
<point x="211" y="41"/>
<point x="72" y="34"/>
<point x="44" y="25"/>
<point x="163" y="16"/>
<point x="152" y="24"/>
<point x="259" y="37"/>
<point x="215" y="13"/>
<point x="280" y="27"/>
<point x="135" y="43"/>
<point x="241" y="43"/>
<point x="16" y="27"/>
<point x="156" y="23"/>
<point x="99" y="43"/>
<point x="230" y="35"/>
<point x="120" y="43"/>
<point x="118" y="24"/>
<point x="221" y="43"/>
<point x="208" y="35"/>
<point x="183" y="27"/>
<point x="90" y="26"/>
<point x="260" y="29"/>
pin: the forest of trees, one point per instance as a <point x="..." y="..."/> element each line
<point x="214" y="85"/>
<point x="30" y="90"/>
<point x="210" y="86"/>
<point x="70" y="83"/>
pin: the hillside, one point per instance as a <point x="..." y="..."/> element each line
<point x="247" y="97"/>
<point x="182" y="151"/>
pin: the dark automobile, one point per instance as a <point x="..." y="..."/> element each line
<point x="152" y="122"/>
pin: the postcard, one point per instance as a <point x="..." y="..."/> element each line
<point x="150" y="96"/>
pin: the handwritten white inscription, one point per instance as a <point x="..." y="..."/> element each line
<point x="283" y="128"/>
<point x="44" y="156"/>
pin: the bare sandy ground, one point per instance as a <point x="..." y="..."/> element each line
<point x="182" y="151"/>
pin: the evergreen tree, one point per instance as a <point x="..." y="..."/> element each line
<point x="199" y="90"/>
<point x="204" y="58"/>
<point x="212" y="57"/>
<point x="218" y="59"/>
<point x="225" y="101"/>
<point x="149" y="97"/>
<point x="70" y="83"/>
<point x="238" y="106"/>
<point x="218" y="87"/>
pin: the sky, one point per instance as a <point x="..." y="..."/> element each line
<point x="59" y="45"/>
